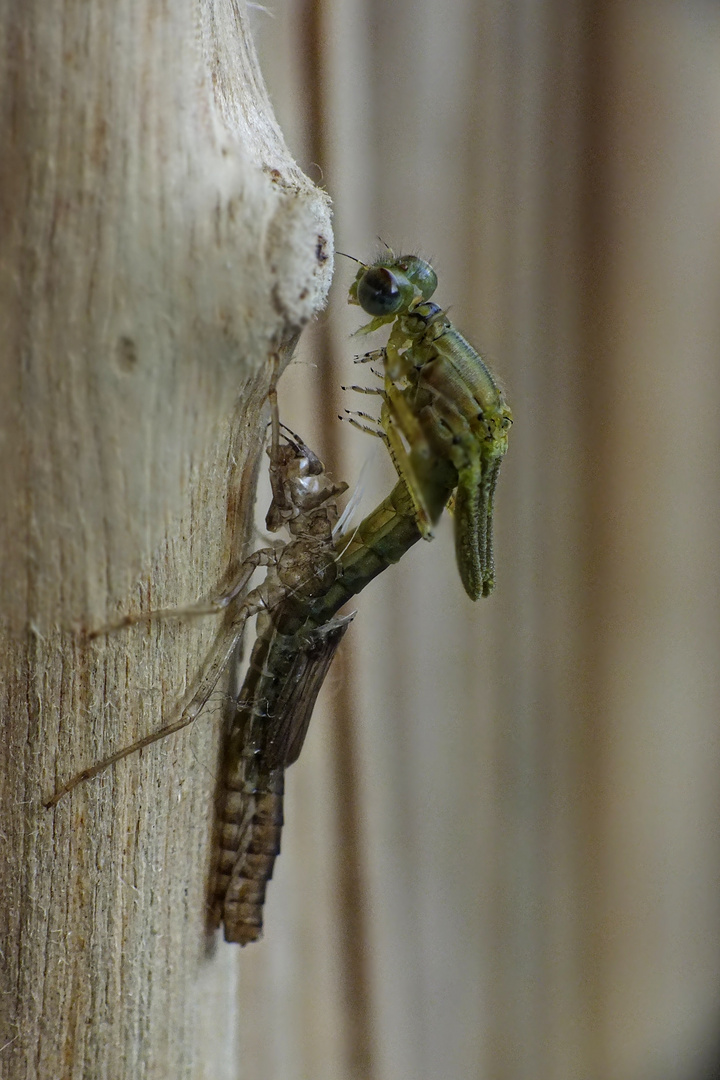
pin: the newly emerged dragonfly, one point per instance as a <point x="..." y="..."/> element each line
<point x="439" y="400"/>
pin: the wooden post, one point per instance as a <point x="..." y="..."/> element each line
<point x="158" y="243"/>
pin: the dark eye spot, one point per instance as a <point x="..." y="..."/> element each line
<point x="378" y="292"/>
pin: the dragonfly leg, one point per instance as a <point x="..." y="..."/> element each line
<point x="376" y="431"/>
<point x="376" y="391"/>
<point x="212" y="606"/>
<point x="370" y="357"/>
<point x="222" y="649"/>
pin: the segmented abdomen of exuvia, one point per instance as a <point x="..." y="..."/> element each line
<point x="250" y="810"/>
<point x="250" y="827"/>
<point x="266" y="735"/>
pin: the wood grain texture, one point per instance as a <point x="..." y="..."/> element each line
<point x="158" y="242"/>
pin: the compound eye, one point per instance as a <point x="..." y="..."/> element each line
<point x="420" y="273"/>
<point x="378" y="291"/>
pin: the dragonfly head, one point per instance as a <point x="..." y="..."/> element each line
<point x="299" y="485"/>
<point x="391" y="285"/>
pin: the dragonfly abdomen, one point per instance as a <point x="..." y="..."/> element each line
<point x="251" y="821"/>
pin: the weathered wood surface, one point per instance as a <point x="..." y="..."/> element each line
<point x="158" y="241"/>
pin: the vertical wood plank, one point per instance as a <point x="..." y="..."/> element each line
<point x="159" y="243"/>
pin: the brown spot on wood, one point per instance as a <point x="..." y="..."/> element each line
<point x="320" y="253"/>
<point x="126" y="354"/>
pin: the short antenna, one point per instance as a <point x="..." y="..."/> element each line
<point x="346" y="256"/>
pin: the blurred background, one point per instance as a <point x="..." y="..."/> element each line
<point x="501" y="857"/>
